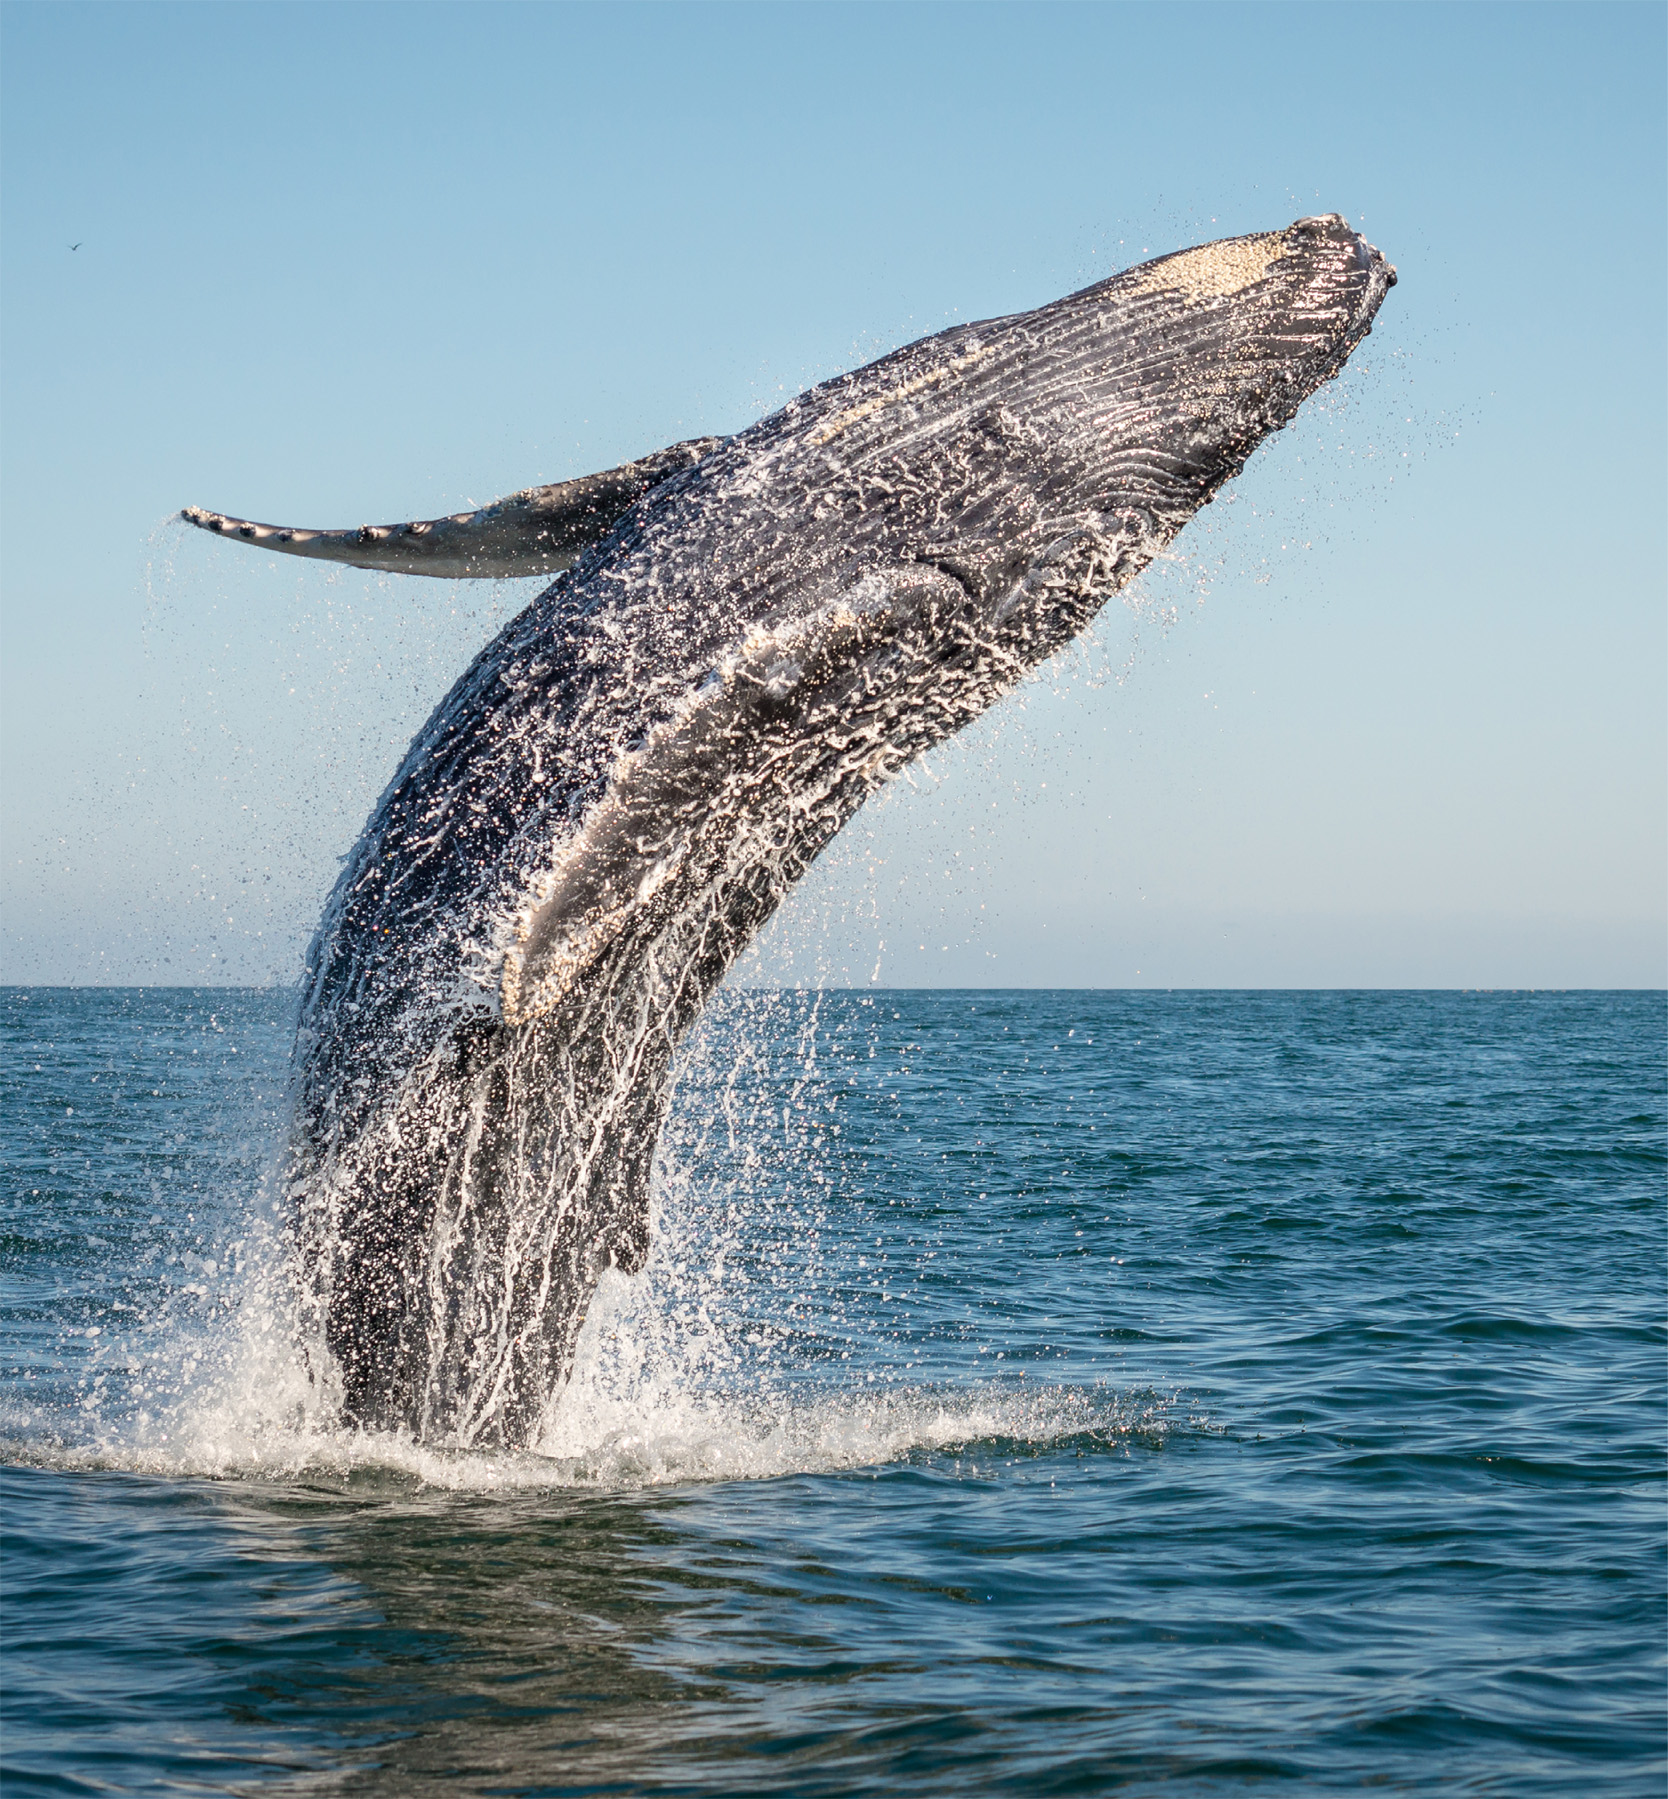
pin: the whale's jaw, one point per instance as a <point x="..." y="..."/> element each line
<point x="624" y="786"/>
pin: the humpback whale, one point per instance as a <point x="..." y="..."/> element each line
<point x="745" y="638"/>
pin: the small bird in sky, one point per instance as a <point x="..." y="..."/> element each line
<point x="78" y="246"/>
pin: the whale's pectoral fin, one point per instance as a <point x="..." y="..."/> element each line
<point x="535" y="532"/>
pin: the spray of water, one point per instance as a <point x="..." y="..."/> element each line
<point x="730" y="1356"/>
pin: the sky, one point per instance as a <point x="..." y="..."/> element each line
<point x="1393" y="714"/>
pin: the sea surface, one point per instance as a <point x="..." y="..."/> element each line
<point x="1030" y="1393"/>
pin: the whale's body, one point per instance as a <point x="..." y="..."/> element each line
<point x="751" y="634"/>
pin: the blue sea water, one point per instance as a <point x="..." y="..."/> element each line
<point x="1030" y="1393"/>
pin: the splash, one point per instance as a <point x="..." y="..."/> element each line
<point x="744" y="1350"/>
<point x="666" y="1390"/>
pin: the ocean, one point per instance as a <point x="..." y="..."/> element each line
<point x="1029" y="1393"/>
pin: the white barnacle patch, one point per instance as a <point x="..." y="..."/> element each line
<point x="905" y="390"/>
<point x="1213" y="271"/>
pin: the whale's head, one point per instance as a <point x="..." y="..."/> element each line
<point x="1110" y="415"/>
<point x="1183" y="365"/>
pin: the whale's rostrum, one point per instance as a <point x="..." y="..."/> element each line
<point x="750" y="636"/>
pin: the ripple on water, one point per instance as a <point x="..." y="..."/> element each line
<point x="1245" y="1390"/>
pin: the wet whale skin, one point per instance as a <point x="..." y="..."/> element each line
<point x="626" y="782"/>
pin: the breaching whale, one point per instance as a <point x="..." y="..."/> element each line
<point x="749" y="636"/>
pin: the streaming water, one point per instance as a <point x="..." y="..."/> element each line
<point x="1035" y="1392"/>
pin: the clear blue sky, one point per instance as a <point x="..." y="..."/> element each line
<point x="345" y="263"/>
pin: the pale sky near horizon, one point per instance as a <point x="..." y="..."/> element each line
<point x="1394" y="717"/>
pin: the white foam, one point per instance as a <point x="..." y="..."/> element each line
<point x="610" y="1448"/>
